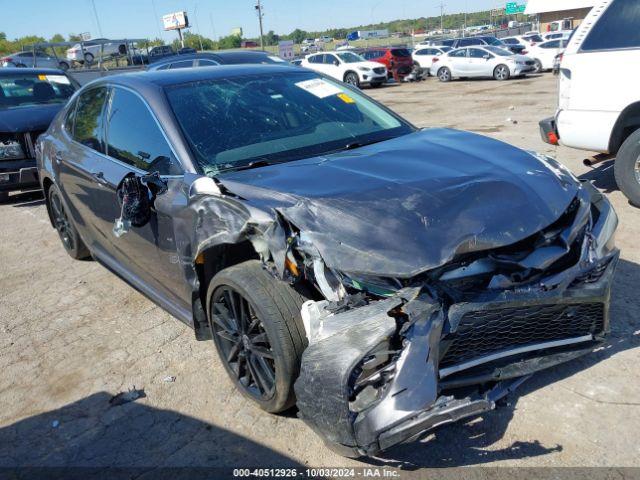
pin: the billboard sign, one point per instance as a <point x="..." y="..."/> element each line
<point x="285" y="49"/>
<point x="175" y="21"/>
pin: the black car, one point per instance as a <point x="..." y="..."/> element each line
<point x="231" y="57"/>
<point x="29" y="99"/>
<point x="484" y="40"/>
<point x="384" y="278"/>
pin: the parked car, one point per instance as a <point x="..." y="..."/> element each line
<point x="310" y="48"/>
<point x="91" y="49"/>
<point x="545" y="53"/>
<point x="423" y="56"/>
<point x="476" y="62"/>
<point x="231" y="57"/>
<point x="348" y="67"/>
<point x="32" y="59"/>
<point x="597" y="111"/>
<point x="159" y="52"/>
<point x="29" y="99"/>
<point x="560" y="35"/>
<point x="323" y="242"/>
<point x="482" y="41"/>
<point x="397" y="60"/>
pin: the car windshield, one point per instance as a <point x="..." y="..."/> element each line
<point x="493" y="41"/>
<point x="499" y="51"/>
<point x="350" y="57"/>
<point x="237" y="122"/>
<point x="24" y="89"/>
<point x="400" y="52"/>
<point x="534" y="38"/>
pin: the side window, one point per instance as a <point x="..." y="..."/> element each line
<point x="477" y="53"/>
<point x="134" y="137"/>
<point x="616" y="28"/>
<point x="424" y="51"/>
<point x="329" y="59"/>
<point x="461" y="53"/>
<point x="89" y="119"/>
<point x="182" y="64"/>
<point x="207" y="63"/>
<point x="551" y="44"/>
<point x="70" y="118"/>
<point x="315" y="59"/>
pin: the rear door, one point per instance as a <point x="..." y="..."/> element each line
<point x="458" y="62"/>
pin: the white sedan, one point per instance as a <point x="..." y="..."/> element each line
<point x="486" y="61"/>
<point x="92" y="49"/>
<point x="544" y="54"/>
<point x="424" y="55"/>
<point x="347" y="67"/>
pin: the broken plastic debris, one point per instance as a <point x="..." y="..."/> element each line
<point x="126" y="397"/>
<point x="169" y="379"/>
<point x="511" y="120"/>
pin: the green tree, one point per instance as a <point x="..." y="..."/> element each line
<point x="271" y="38"/>
<point x="231" y="41"/>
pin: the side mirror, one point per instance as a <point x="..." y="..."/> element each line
<point x="336" y="63"/>
<point x="135" y="197"/>
<point x="487" y="57"/>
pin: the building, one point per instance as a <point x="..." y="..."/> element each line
<point x="559" y="14"/>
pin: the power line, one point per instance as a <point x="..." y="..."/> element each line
<point x="95" y="12"/>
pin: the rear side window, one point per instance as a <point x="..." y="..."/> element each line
<point x="134" y="137"/>
<point x="465" y="42"/>
<point x="89" y="119"/>
<point x="400" y="52"/>
<point x="182" y="64"/>
<point x="459" y="53"/>
<point x="617" y="27"/>
<point x="551" y="44"/>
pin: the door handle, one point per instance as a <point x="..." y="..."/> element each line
<point x="57" y="158"/>
<point x="99" y="177"/>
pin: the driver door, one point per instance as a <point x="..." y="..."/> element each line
<point x="136" y="145"/>
<point x="479" y="65"/>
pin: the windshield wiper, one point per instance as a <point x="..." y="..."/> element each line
<point x="354" y="145"/>
<point x="250" y="165"/>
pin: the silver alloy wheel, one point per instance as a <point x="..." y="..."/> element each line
<point x="538" y="67"/>
<point x="502" y="72"/>
<point x="444" y="75"/>
<point x="637" y="170"/>
<point x="352" y="79"/>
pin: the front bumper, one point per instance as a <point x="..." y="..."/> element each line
<point x="414" y="391"/>
<point x="18" y="175"/>
<point x="522" y="69"/>
<point x="368" y="78"/>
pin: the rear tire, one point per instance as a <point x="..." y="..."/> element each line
<point x="67" y="232"/>
<point x="501" y="73"/>
<point x="627" y="168"/>
<point x="263" y="361"/>
<point x="444" y="74"/>
<point x="4" y="197"/>
<point x="88" y="58"/>
<point x="537" y="68"/>
<point x="64" y="66"/>
<point x="352" y="79"/>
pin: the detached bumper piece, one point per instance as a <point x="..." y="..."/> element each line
<point x="384" y="373"/>
<point x="18" y="175"/>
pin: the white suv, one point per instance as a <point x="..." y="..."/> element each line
<point x="599" y="98"/>
<point x="347" y="67"/>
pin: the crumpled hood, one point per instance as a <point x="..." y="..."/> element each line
<point x="28" y="118"/>
<point x="403" y="206"/>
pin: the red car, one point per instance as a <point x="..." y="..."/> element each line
<point x="397" y="60"/>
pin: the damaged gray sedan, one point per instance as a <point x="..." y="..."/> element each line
<point x="385" y="279"/>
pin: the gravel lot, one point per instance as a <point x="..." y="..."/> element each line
<point x="73" y="335"/>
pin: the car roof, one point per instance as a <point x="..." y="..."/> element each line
<point x="45" y="71"/>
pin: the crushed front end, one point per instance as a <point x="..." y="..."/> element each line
<point x="389" y="359"/>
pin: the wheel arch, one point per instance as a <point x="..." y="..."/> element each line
<point x="344" y="77"/>
<point x="627" y="123"/>
<point x="46" y="186"/>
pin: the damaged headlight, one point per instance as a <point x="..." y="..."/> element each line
<point x="379" y="286"/>
<point x="11" y="150"/>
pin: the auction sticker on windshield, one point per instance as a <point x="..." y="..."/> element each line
<point x="319" y="87"/>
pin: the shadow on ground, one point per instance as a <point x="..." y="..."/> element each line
<point x="93" y="433"/>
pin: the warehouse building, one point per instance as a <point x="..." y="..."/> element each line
<point x="551" y="15"/>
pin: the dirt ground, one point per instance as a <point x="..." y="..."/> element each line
<point x="72" y="335"/>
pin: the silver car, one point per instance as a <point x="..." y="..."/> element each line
<point x="33" y="60"/>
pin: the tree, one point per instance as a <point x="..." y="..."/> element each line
<point x="3" y="36"/>
<point x="271" y="38"/>
<point x="232" y="41"/>
<point x="298" y="35"/>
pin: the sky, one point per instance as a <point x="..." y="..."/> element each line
<point x="212" y="18"/>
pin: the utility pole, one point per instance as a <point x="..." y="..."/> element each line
<point x="442" y="5"/>
<point x="195" y="17"/>
<point x="260" y="14"/>
<point x="95" y="12"/>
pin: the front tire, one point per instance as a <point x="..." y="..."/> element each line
<point x="627" y="168"/>
<point x="501" y="73"/>
<point x="352" y="79"/>
<point x="258" y="333"/>
<point x="67" y="232"/>
<point x="444" y="74"/>
<point x="64" y="66"/>
<point x="88" y="58"/>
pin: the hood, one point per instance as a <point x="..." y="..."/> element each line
<point x="403" y="206"/>
<point x="370" y="65"/>
<point x="28" y="118"/>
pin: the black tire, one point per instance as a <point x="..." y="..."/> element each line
<point x="627" y="168"/>
<point x="274" y="308"/>
<point x="69" y="237"/>
<point x="89" y="58"/>
<point x="501" y="73"/>
<point x="444" y="74"/>
<point x="352" y="79"/>
<point x="4" y="197"/>
<point x="537" y="68"/>
<point x="64" y="66"/>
